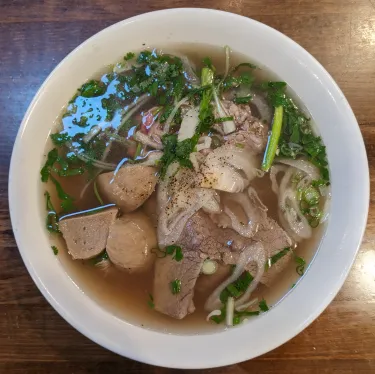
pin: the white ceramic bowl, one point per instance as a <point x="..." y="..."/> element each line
<point x="349" y="176"/>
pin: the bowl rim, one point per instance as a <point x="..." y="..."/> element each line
<point x="201" y="340"/>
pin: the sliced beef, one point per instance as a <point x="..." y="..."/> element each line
<point x="167" y="270"/>
<point x="250" y="130"/>
<point x="86" y="234"/>
<point x="129" y="188"/>
<point x="130" y="241"/>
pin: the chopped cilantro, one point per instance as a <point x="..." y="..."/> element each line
<point x="176" y="286"/>
<point x="60" y="139"/>
<point x="172" y="250"/>
<point x="263" y="306"/>
<point x="129" y="56"/>
<point x="55" y="250"/>
<point x="52" y="217"/>
<point x="92" y="88"/>
<point x="150" y="301"/>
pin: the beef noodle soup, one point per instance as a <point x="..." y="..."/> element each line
<point x="185" y="189"/>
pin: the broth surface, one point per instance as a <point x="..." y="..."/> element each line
<point x="126" y="295"/>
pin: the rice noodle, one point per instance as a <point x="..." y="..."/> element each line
<point x="173" y="113"/>
<point x="258" y="256"/>
<point x="213" y="302"/>
<point x="247" y="305"/>
<point x="301" y="164"/>
<point x="144" y="139"/>
<point x="88" y="184"/>
<point x="216" y="312"/>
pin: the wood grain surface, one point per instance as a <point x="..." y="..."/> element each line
<point x="36" y="34"/>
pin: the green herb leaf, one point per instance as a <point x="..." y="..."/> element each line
<point x="245" y="64"/>
<point x="263" y="306"/>
<point x="55" y="250"/>
<point x="67" y="201"/>
<point x="52" y="217"/>
<point x="46" y="169"/>
<point x="103" y="256"/>
<point x="129" y="56"/>
<point x="92" y="88"/>
<point x="176" y="286"/>
<point x="60" y="139"/>
<point x="150" y="301"/>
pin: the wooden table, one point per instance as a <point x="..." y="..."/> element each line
<point x="35" y="35"/>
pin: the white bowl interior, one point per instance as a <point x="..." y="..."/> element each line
<point x="349" y="176"/>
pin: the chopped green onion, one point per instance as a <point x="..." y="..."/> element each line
<point x="176" y="286"/>
<point x="301" y="263"/>
<point x="209" y="267"/>
<point x="273" y="139"/>
<point x="311" y="195"/>
<point x="243" y="100"/>
<point x="272" y="260"/>
<point x="315" y="212"/>
<point x="237" y="288"/>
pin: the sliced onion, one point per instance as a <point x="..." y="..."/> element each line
<point x="188" y="124"/>
<point x="276" y="169"/>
